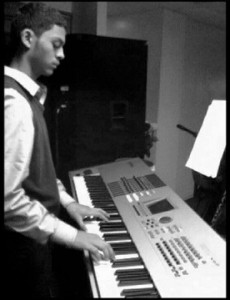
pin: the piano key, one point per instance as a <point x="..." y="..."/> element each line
<point x="97" y="196"/>
<point x="105" y="229"/>
<point x="81" y="190"/>
<point x="124" y="251"/>
<point x="104" y="274"/>
<point x="132" y="271"/>
<point x="138" y="297"/>
<point x="102" y="203"/>
<point x="133" y="279"/>
<point x="151" y="292"/>
<point x="126" y="256"/>
<point x="136" y="282"/>
<point x="107" y="275"/>
<point x="126" y="262"/>
<point x="113" y="225"/>
<point x="126" y="276"/>
<point x="93" y="227"/>
<point x="114" y="217"/>
<point x="113" y="237"/>
<point x="112" y="220"/>
<point x="123" y="245"/>
<point x="136" y="291"/>
<point x="124" y="267"/>
<point x="130" y="274"/>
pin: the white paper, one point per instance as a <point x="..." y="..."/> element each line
<point x="210" y="143"/>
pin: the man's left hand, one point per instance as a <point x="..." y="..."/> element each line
<point x="78" y="212"/>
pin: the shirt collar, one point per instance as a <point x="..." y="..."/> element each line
<point x="29" y="84"/>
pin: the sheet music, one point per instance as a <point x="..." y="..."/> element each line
<point x="210" y="143"/>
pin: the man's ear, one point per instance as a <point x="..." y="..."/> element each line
<point x="27" y="36"/>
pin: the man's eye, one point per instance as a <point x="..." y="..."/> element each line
<point x="56" y="45"/>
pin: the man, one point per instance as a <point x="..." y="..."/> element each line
<point x="32" y="192"/>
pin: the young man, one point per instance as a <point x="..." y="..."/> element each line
<point x="32" y="192"/>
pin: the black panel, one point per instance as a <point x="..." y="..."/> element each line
<point x="96" y="102"/>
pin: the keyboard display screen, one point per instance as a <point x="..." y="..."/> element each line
<point x="160" y="206"/>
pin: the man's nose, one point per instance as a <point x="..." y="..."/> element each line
<point x="60" y="53"/>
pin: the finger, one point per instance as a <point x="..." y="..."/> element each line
<point x="107" y="251"/>
<point x="103" y="215"/>
<point x="111" y="254"/>
<point x="103" y="218"/>
<point x="96" y="255"/>
<point x="103" y="247"/>
<point x="82" y="226"/>
<point x="95" y="259"/>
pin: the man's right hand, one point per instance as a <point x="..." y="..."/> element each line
<point x="98" y="248"/>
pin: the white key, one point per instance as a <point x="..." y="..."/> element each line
<point x="104" y="272"/>
<point x="82" y="191"/>
<point x="107" y="283"/>
<point x="93" y="227"/>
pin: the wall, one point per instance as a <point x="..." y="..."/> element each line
<point x="171" y="87"/>
<point x="64" y="6"/>
<point x="147" y="26"/>
<point x="186" y="70"/>
<point x="204" y="79"/>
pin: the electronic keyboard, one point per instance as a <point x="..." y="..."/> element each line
<point x="162" y="247"/>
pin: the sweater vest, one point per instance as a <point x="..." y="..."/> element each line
<point x="41" y="182"/>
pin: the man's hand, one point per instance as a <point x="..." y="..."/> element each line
<point x="95" y="245"/>
<point x="78" y="212"/>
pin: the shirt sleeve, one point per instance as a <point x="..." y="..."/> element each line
<point x="65" y="198"/>
<point x="23" y="214"/>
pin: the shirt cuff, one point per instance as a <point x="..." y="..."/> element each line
<point x="64" y="234"/>
<point x="65" y="198"/>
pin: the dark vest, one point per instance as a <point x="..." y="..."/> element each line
<point x="41" y="182"/>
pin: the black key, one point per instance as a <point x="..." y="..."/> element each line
<point x="127" y="262"/>
<point x="134" y="282"/>
<point x="103" y="204"/>
<point x="133" y="277"/>
<point x="115" y="217"/>
<point x="130" y="248"/>
<point x="116" y="237"/>
<point x="112" y="225"/>
<point x="124" y="251"/>
<point x="109" y="210"/>
<point x="100" y="197"/>
<point x="111" y="229"/>
<point x="140" y="292"/>
<point x="141" y="273"/>
<point x="144" y="296"/>
<point x="130" y="271"/>
<point x="123" y="245"/>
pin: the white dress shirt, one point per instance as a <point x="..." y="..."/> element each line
<point x="22" y="213"/>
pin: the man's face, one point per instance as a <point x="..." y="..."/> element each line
<point x="47" y="51"/>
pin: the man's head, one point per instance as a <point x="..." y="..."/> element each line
<point x="38" y="34"/>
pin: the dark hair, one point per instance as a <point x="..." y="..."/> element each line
<point x="36" y="16"/>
